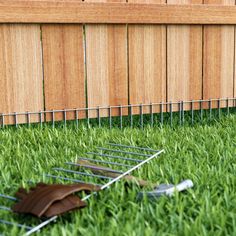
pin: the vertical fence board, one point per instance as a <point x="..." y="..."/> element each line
<point x="147" y="63"/>
<point x="218" y="61"/>
<point x="63" y="69"/>
<point x="184" y="60"/>
<point x="20" y="71"/>
<point x="106" y="63"/>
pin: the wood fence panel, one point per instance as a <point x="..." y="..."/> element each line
<point x="147" y="63"/>
<point x="184" y="60"/>
<point x="20" y="71"/>
<point x="218" y="61"/>
<point x="63" y="69"/>
<point x="106" y="63"/>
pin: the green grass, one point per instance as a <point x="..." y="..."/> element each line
<point x="204" y="153"/>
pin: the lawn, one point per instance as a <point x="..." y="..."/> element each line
<point x="204" y="153"/>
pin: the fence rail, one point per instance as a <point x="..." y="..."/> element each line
<point x="117" y="12"/>
<point x="113" y="55"/>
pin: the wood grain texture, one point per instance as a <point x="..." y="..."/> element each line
<point x="147" y="63"/>
<point x="184" y="61"/>
<point x="106" y="62"/>
<point x="76" y="12"/>
<point x="20" y="71"/>
<point x="63" y="69"/>
<point x="218" y="59"/>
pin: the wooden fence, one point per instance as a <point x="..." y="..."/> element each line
<point x="70" y="54"/>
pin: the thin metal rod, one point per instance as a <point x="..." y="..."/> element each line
<point x="192" y="113"/>
<point x="210" y="108"/>
<point x="105" y="162"/>
<point x="121" y="151"/>
<point x="201" y="111"/>
<point x="99" y="117"/>
<point x="94" y="167"/>
<point x="5" y="208"/>
<point x="218" y="102"/>
<point x="114" y="157"/>
<point x="40" y="226"/>
<point x="141" y="115"/>
<point x="53" y="119"/>
<point x="8" y="197"/>
<point x="15" y="224"/>
<point x="131" y="117"/>
<point x="81" y="173"/>
<point x="171" y="115"/>
<point x="68" y="179"/>
<point x="227" y="105"/>
<point x="64" y="117"/>
<point x="161" y="113"/>
<point x="16" y="120"/>
<point x="182" y="109"/>
<point x="134" y="147"/>
<point x="151" y="113"/>
<point x="121" y="119"/>
<point x="110" y="118"/>
<point x="28" y="119"/>
<point x="77" y="118"/>
<point x="41" y="118"/>
<point x="3" y="123"/>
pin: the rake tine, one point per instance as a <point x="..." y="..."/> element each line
<point x="15" y="224"/>
<point x="105" y="162"/>
<point x="114" y="157"/>
<point x="69" y="179"/>
<point x="8" y="197"/>
<point x="94" y="167"/>
<point x="121" y="151"/>
<point x="134" y="147"/>
<point x="5" y="208"/>
<point x="81" y="173"/>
